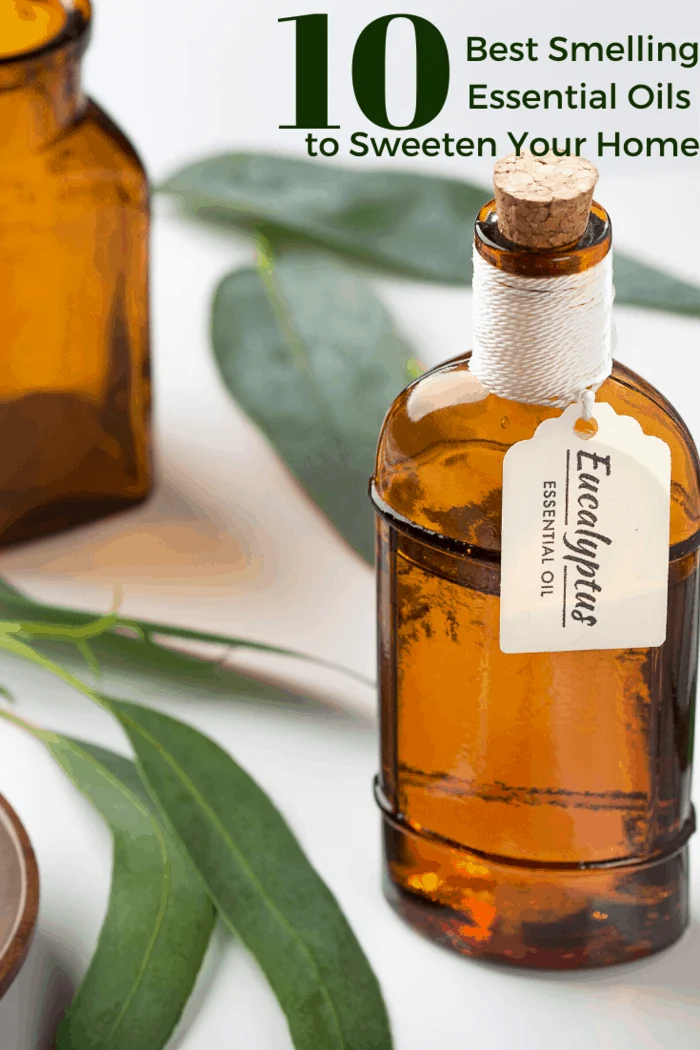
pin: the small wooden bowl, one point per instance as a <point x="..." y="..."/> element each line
<point x="19" y="894"/>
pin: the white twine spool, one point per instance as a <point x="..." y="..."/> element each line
<point x="543" y="340"/>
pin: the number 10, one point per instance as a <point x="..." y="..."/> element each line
<point x="368" y="71"/>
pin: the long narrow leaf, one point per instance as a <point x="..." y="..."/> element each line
<point x="131" y="643"/>
<point x="638" y="284"/>
<point x="311" y="355"/>
<point x="420" y="225"/>
<point x="410" y="223"/>
<point x="263" y="885"/>
<point x="159" y="918"/>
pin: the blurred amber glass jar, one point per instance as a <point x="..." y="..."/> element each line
<point x="74" y="331"/>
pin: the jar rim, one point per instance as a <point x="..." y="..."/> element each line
<point x="591" y="249"/>
<point x="75" y="33"/>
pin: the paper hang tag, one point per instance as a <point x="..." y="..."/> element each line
<point x="585" y="537"/>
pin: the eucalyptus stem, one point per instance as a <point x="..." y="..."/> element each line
<point x="16" y="647"/>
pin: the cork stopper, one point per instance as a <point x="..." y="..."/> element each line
<point x="543" y="202"/>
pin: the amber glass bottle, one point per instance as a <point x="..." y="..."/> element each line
<point x="535" y="807"/>
<point x="74" y="378"/>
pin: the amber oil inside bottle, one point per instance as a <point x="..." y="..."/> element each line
<point x="536" y="807"/>
<point x="27" y="25"/>
<point x="74" y="328"/>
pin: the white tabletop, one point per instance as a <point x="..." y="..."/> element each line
<point x="228" y="542"/>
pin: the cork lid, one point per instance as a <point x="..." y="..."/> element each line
<point x="543" y="202"/>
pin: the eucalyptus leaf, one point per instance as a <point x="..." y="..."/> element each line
<point x="159" y="919"/>
<point x="420" y="225"/>
<point x="54" y="622"/>
<point x="263" y="886"/>
<point x="409" y="223"/>
<point x="134" y="645"/>
<point x="637" y="284"/>
<point x="128" y="666"/>
<point x="311" y="355"/>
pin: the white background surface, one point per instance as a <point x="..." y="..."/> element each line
<point x="229" y="543"/>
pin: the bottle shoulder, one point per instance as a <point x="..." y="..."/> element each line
<point x="98" y="125"/>
<point x="95" y="154"/>
<point x="440" y="453"/>
<point x="89" y="165"/>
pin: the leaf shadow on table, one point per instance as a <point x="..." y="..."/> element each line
<point x="34" y="1005"/>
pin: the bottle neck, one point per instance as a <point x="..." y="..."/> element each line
<point x="591" y="249"/>
<point x="542" y="320"/>
<point x="40" y="89"/>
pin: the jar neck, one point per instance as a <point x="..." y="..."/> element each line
<point x="40" y="91"/>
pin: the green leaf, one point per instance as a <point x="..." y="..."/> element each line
<point x="637" y="284"/>
<point x="311" y="355"/>
<point x="133" y="645"/>
<point x="129" y="666"/>
<point x="262" y="884"/>
<point x="420" y="225"/>
<point x="38" y="620"/>
<point x="158" y="922"/>
<point x="410" y="223"/>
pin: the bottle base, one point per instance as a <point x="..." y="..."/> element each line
<point x="540" y="917"/>
<point x="62" y="515"/>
